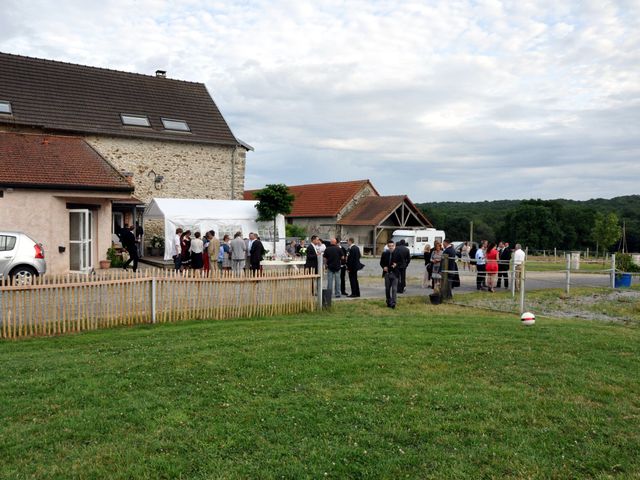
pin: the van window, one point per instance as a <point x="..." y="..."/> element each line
<point x="439" y="239"/>
<point x="7" y="243"/>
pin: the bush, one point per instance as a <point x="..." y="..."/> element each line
<point x="157" y="242"/>
<point x="624" y="263"/>
<point x="114" y="258"/>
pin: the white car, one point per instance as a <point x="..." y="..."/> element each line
<point x="21" y="257"/>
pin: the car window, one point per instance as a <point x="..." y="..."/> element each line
<point x="7" y="242"/>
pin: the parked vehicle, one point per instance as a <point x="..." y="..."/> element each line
<point x="417" y="239"/>
<point x="21" y="257"/>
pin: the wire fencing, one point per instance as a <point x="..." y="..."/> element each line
<point x="597" y="292"/>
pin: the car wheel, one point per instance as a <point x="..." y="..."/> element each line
<point x="23" y="275"/>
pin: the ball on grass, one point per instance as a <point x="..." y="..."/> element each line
<point x="528" y="318"/>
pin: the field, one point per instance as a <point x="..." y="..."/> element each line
<point x="358" y="392"/>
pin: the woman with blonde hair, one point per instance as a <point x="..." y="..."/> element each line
<point x="436" y="260"/>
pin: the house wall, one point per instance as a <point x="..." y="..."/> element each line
<point x="47" y="222"/>
<point x="324" y="227"/>
<point x="363" y="235"/>
<point x="365" y="191"/>
<point x="190" y="170"/>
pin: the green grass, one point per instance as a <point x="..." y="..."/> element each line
<point x="359" y="392"/>
<point x="561" y="265"/>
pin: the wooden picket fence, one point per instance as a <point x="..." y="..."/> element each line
<point x="55" y="305"/>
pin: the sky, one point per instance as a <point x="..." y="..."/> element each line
<point x="449" y="100"/>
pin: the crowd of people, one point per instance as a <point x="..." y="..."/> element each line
<point x="339" y="261"/>
<point x="209" y="253"/>
<point x="489" y="260"/>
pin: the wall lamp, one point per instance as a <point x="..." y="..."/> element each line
<point x="157" y="179"/>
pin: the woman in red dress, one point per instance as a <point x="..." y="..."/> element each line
<point x="492" y="266"/>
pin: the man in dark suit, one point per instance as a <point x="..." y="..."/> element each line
<point x="389" y="263"/>
<point x="255" y="254"/>
<point x="128" y="240"/>
<point x="353" y="265"/>
<point x="503" y="265"/>
<point x="312" y="255"/>
<point x="343" y="267"/>
<point x="452" y="265"/>
<point x="404" y="258"/>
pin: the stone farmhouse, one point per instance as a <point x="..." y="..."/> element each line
<point x="352" y="209"/>
<point x="83" y="150"/>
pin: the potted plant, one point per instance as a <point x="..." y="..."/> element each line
<point x="624" y="268"/>
<point x="113" y="258"/>
<point x="157" y="246"/>
<point x="104" y="264"/>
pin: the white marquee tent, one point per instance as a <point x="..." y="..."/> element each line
<point x="221" y="216"/>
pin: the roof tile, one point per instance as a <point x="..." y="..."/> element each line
<point x="81" y="99"/>
<point x="321" y="199"/>
<point x="50" y="161"/>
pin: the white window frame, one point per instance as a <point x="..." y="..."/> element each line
<point x="165" y="122"/>
<point x="7" y="104"/>
<point x="129" y="119"/>
<point x="85" y="242"/>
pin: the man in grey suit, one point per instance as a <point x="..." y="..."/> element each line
<point x="238" y="253"/>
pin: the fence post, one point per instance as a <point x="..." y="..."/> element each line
<point x="153" y="299"/>
<point x="522" y="285"/>
<point x="613" y="270"/>
<point x="514" y="279"/>
<point x="445" y="286"/>
<point x="568" y="287"/>
<point x="319" y="280"/>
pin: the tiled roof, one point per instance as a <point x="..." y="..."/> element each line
<point x="373" y="210"/>
<point x="49" y="161"/>
<point x="75" y="98"/>
<point x="321" y="199"/>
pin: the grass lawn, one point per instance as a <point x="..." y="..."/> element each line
<point x="360" y="392"/>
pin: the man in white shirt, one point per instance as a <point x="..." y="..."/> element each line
<point x="518" y="263"/>
<point x="481" y="266"/>
<point x="177" y="249"/>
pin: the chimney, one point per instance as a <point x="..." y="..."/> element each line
<point x="161" y="73"/>
<point x="128" y="176"/>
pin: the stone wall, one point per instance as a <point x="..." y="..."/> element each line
<point x="190" y="170"/>
<point x="365" y="191"/>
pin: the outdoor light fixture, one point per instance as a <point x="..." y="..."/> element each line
<point x="157" y="179"/>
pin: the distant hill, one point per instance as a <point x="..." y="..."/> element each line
<point x="568" y="223"/>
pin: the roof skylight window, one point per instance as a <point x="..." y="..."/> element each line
<point x="135" y="120"/>
<point x="172" y="124"/>
<point x="5" y="107"/>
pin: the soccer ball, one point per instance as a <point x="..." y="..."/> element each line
<point x="528" y="318"/>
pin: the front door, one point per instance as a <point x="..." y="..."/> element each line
<point x="80" y="240"/>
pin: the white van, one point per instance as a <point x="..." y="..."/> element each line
<point x="417" y="239"/>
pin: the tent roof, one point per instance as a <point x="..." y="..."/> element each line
<point x="192" y="208"/>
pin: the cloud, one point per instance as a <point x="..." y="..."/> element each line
<point x="466" y="100"/>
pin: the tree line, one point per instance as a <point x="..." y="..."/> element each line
<point x="544" y="224"/>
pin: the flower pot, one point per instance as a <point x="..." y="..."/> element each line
<point x="622" y="280"/>
<point x="105" y="264"/>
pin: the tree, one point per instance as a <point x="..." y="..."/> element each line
<point x="273" y="200"/>
<point x="297" y="231"/>
<point x="606" y="230"/>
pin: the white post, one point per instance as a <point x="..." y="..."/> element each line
<point x="613" y="270"/>
<point x="522" y="284"/>
<point x="568" y="287"/>
<point x="513" y="280"/>
<point x="555" y="254"/>
<point x="153" y="299"/>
